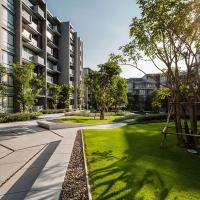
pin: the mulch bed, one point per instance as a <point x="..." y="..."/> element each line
<point x="75" y="184"/>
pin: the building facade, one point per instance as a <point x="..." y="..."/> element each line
<point x="140" y="90"/>
<point x="31" y="34"/>
<point x="87" y="95"/>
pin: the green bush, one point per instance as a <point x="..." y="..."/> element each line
<point x="151" y="118"/>
<point x="54" y="111"/>
<point x="8" y="117"/>
<point x="125" y="117"/>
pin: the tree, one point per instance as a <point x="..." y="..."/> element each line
<point x="2" y="82"/>
<point x="79" y="95"/>
<point x="160" y="98"/>
<point x="100" y="83"/>
<point x="169" y="31"/>
<point x="55" y="91"/>
<point x="66" y="92"/>
<point x="120" y="90"/>
<point x="29" y="85"/>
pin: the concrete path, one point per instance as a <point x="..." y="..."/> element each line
<point x="33" y="161"/>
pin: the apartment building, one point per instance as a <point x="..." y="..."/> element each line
<point x="141" y="89"/>
<point x="31" y="34"/>
<point x="87" y="95"/>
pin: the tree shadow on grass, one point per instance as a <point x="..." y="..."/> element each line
<point x="134" y="181"/>
<point x="123" y="170"/>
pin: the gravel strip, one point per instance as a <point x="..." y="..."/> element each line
<point x="75" y="183"/>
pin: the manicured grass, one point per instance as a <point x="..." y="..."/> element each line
<point x="128" y="163"/>
<point x="88" y="120"/>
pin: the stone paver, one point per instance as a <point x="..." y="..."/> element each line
<point x="22" y="181"/>
<point x="24" y="140"/>
<point x="52" y="175"/>
<point x="4" y="152"/>
<point x="43" y="195"/>
<point x="13" y="162"/>
<point x="42" y="177"/>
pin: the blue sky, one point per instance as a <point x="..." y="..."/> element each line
<point x="103" y="25"/>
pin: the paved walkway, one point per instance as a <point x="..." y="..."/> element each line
<point x="30" y="156"/>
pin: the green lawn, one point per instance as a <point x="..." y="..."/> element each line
<point x="88" y="120"/>
<point x="128" y="163"/>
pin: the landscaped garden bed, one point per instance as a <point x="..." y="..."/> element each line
<point x="88" y="120"/>
<point x="75" y="184"/>
<point x="128" y="163"/>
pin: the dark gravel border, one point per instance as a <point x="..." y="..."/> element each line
<point x="75" y="183"/>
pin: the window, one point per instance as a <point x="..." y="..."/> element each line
<point x="142" y="92"/>
<point x="10" y="80"/>
<point x="8" y="19"/>
<point x="8" y="102"/>
<point x="71" y="78"/>
<point x="10" y="4"/>
<point x="8" y="40"/>
<point x="28" y="54"/>
<point x="7" y="59"/>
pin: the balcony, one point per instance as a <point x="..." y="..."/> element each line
<point x="26" y="36"/>
<point x="72" y="42"/>
<point x="55" y="30"/>
<point x="27" y="19"/>
<point x="33" y="45"/>
<point x="39" y="60"/>
<point x="51" y="55"/>
<point x="33" y="28"/>
<point x="39" y="12"/>
<point x="49" y="80"/>
<point x="51" y="43"/>
<point x="27" y="4"/>
<point x="53" y="69"/>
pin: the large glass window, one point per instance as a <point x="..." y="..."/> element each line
<point x="8" y="19"/>
<point x="8" y="40"/>
<point x="7" y="59"/>
<point x="28" y="54"/>
<point x="10" y="4"/>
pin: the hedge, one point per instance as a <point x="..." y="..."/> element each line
<point x="151" y="118"/>
<point x="54" y="111"/>
<point x="8" y="117"/>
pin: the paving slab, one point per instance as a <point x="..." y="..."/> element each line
<point x="14" y="196"/>
<point x="64" y="149"/>
<point x="43" y="195"/>
<point x="4" y="152"/>
<point x="21" y="141"/>
<point x="58" y="160"/>
<point x="13" y="162"/>
<point x="22" y="181"/>
<point x="51" y="178"/>
<point x="70" y="133"/>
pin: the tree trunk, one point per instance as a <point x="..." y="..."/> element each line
<point x="102" y="114"/>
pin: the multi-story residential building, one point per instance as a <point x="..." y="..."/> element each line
<point x="31" y="34"/>
<point x="87" y="95"/>
<point x="143" y="88"/>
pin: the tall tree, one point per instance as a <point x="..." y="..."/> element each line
<point x="2" y="83"/>
<point x="66" y="92"/>
<point x="79" y="95"/>
<point x="120" y="90"/>
<point x="169" y="31"/>
<point x="29" y="85"/>
<point x="100" y="84"/>
<point x="55" y="91"/>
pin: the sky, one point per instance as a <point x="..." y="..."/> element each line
<point x="103" y="26"/>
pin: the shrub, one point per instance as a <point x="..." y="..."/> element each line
<point x="54" y="111"/>
<point x="151" y="118"/>
<point x="125" y="117"/>
<point x="8" y="117"/>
